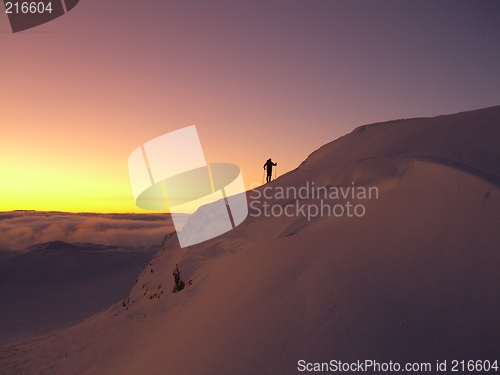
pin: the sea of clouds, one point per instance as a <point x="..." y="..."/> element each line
<point x="20" y="229"/>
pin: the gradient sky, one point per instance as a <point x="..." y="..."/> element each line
<point x="259" y="79"/>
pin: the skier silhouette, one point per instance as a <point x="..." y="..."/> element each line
<point x="268" y="166"/>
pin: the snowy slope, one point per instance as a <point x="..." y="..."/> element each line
<point x="414" y="279"/>
<point x="55" y="285"/>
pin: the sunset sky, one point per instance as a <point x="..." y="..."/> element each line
<point x="259" y="79"/>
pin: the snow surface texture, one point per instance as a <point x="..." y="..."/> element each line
<point x="55" y="285"/>
<point x="415" y="279"/>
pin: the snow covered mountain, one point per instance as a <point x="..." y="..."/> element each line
<point x="409" y="276"/>
<point x="54" y="285"/>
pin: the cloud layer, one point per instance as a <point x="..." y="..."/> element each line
<point x="20" y="229"/>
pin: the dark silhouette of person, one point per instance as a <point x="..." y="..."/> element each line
<point x="268" y="166"/>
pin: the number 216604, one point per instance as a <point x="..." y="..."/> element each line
<point x="26" y="7"/>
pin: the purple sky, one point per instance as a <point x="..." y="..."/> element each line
<point x="259" y="79"/>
